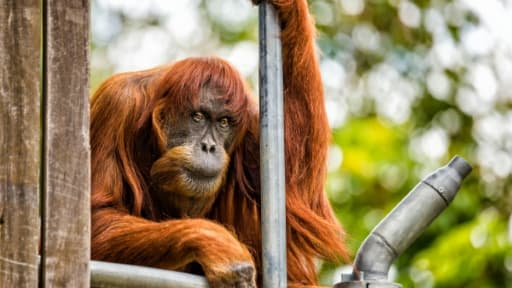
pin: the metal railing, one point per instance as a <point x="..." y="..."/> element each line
<point x="114" y="275"/>
<point x="272" y="173"/>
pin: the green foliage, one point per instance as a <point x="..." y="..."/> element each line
<point x="476" y="251"/>
<point x="468" y="245"/>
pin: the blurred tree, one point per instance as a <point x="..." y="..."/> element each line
<point x="408" y="85"/>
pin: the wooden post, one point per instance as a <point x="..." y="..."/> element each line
<point x="19" y="142"/>
<point x="65" y="249"/>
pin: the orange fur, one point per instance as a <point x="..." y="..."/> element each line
<point x="128" y="141"/>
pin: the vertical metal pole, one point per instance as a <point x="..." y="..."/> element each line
<point x="273" y="208"/>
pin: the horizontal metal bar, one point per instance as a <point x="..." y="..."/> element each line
<point x="113" y="275"/>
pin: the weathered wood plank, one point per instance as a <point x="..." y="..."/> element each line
<point x="19" y="142"/>
<point x="66" y="172"/>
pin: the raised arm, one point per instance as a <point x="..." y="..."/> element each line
<point x="306" y="126"/>
<point x="314" y="230"/>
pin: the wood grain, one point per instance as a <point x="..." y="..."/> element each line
<point x="19" y="142"/>
<point x="66" y="175"/>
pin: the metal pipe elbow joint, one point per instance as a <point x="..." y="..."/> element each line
<point x="403" y="225"/>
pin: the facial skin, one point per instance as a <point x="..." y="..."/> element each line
<point x="195" y="164"/>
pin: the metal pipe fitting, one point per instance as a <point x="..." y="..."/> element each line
<point x="404" y="224"/>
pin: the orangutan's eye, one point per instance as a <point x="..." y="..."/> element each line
<point x="198" y="117"/>
<point x="224" y="122"/>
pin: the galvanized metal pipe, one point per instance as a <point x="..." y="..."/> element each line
<point x="114" y="275"/>
<point x="273" y="208"/>
<point x="395" y="233"/>
<point x="409" y="219"/>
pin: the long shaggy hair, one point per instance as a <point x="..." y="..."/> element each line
<point x="129" y="143"/>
